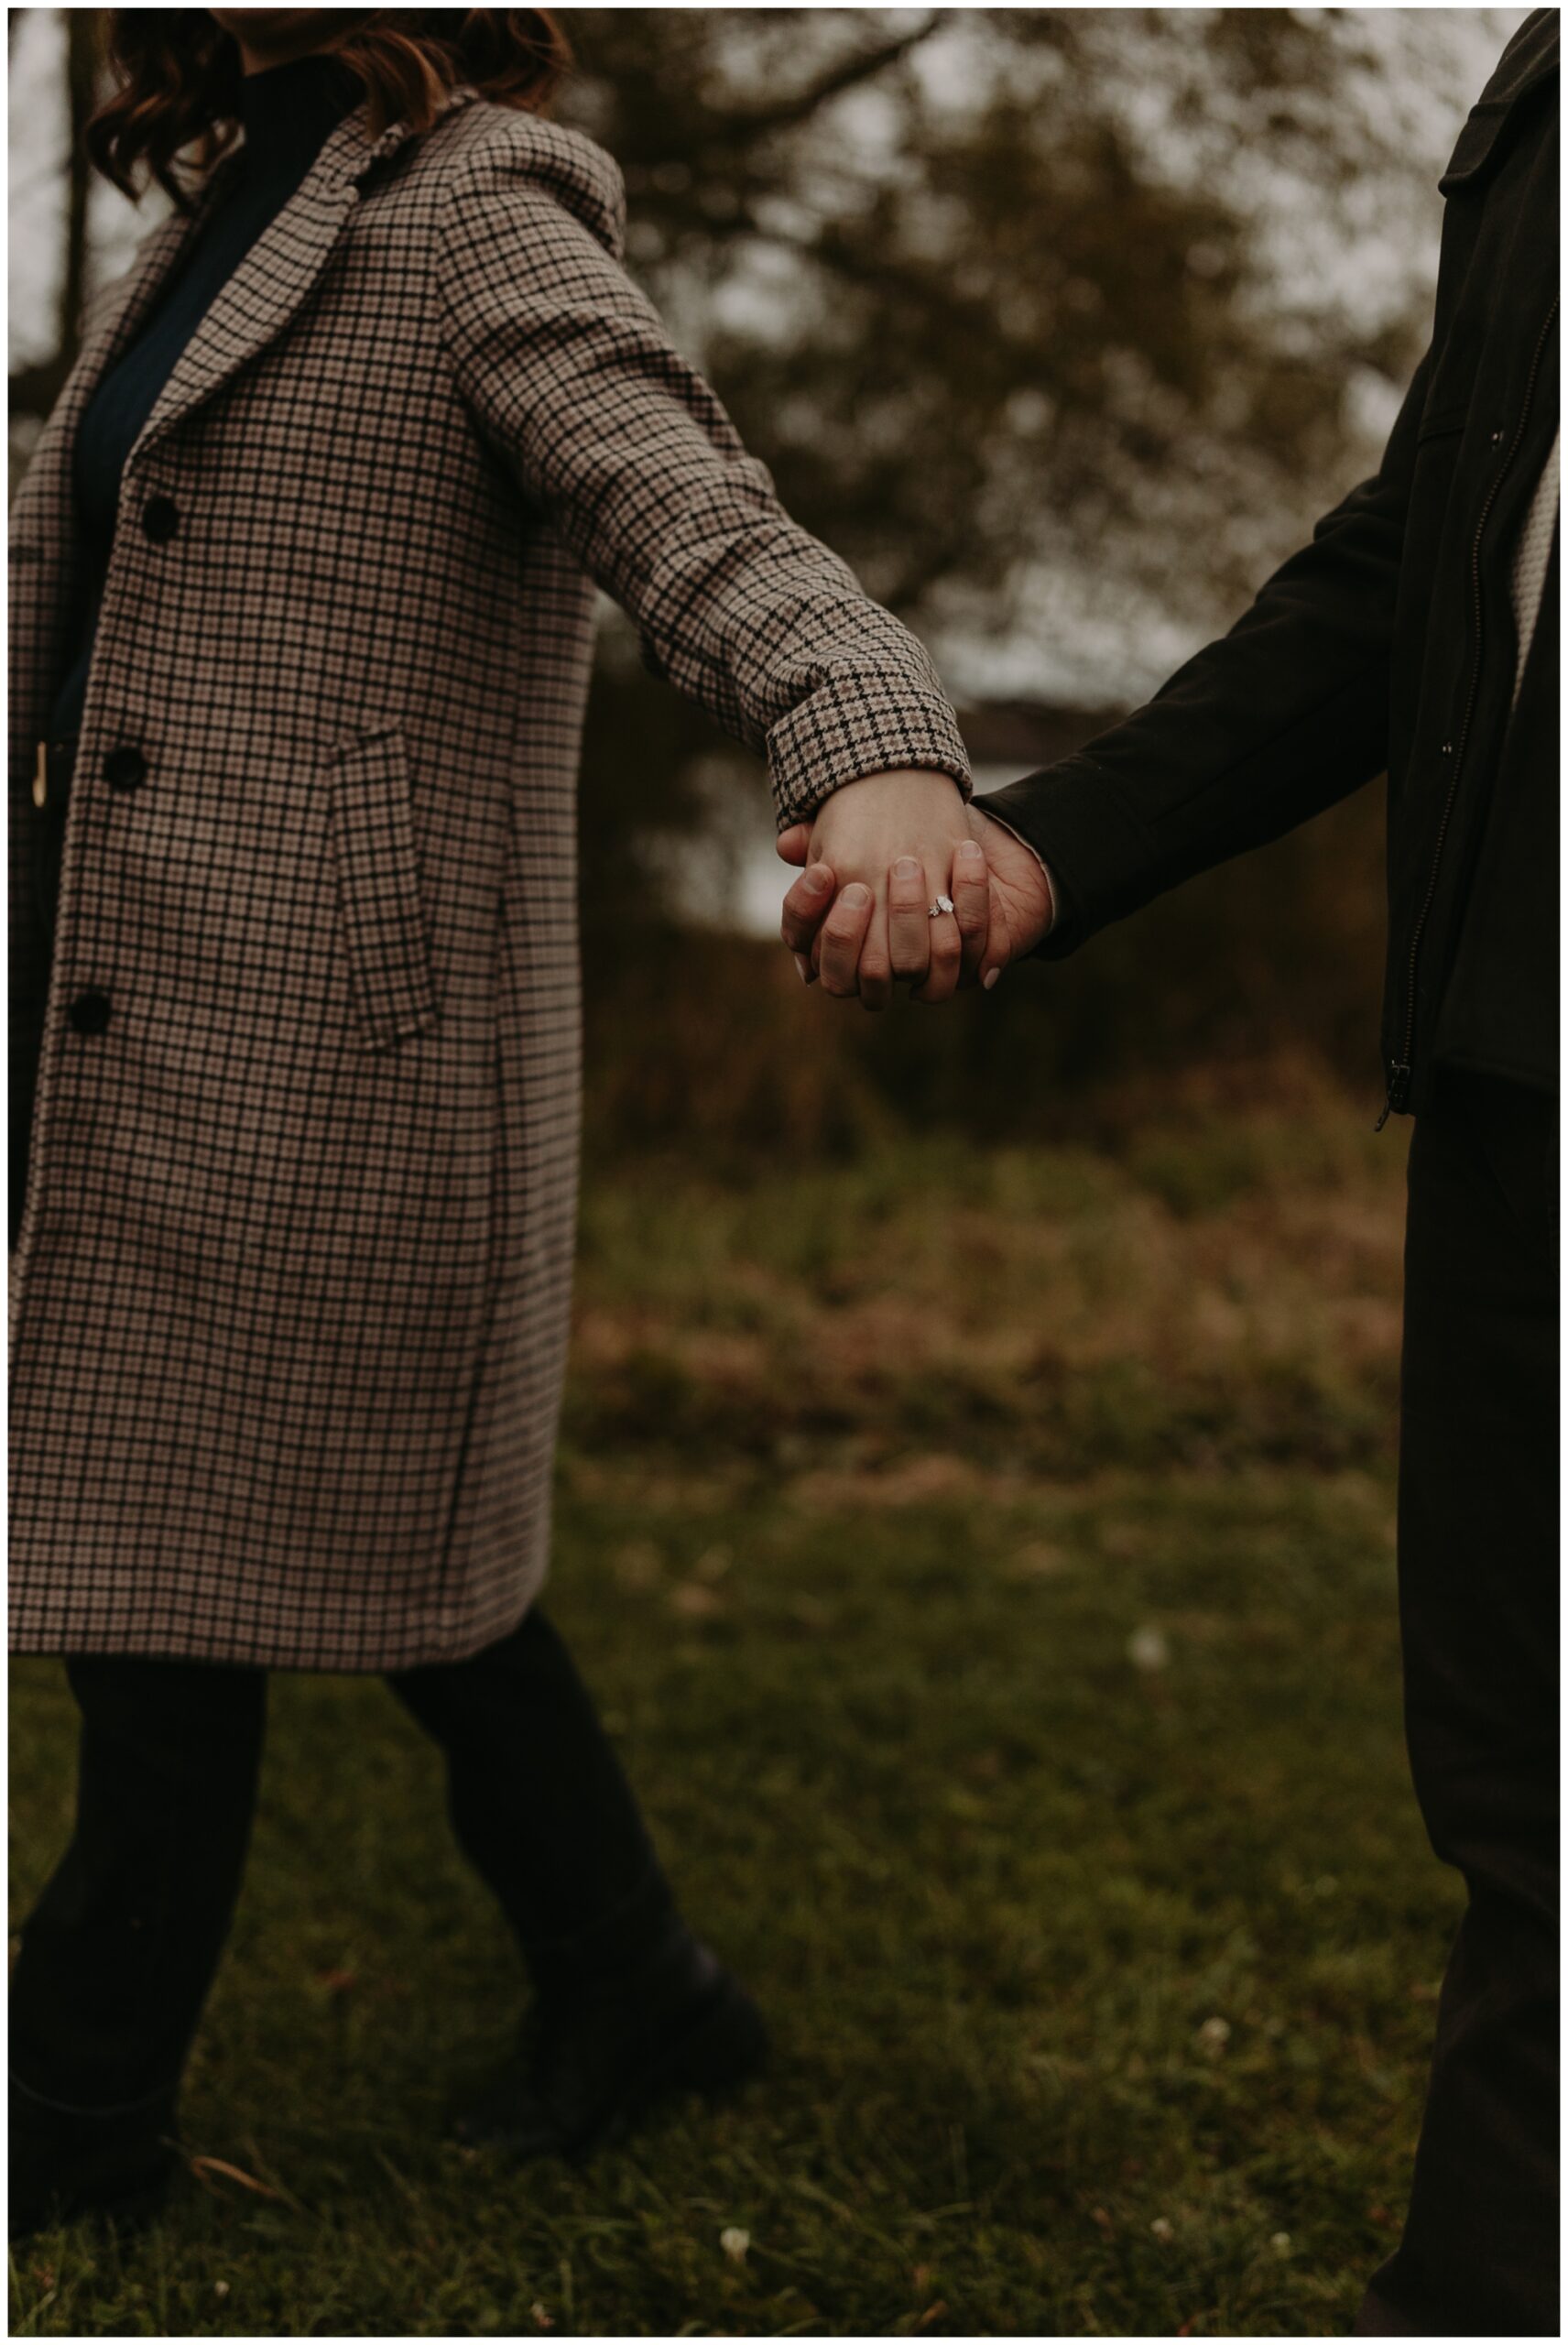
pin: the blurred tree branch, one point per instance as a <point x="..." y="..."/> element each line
<point x="755" y="121"/>
<point x="1018" y="304"/>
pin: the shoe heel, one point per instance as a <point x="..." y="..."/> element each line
<point x="728" y="2046"/>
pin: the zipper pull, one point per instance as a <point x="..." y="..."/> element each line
<point x="1398" y="1092"/>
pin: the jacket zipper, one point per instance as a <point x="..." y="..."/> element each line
<point x="1398" y="1089"/>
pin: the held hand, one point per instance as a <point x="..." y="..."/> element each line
<point x="880" y="927"/>
<point x="1001" y="891"/>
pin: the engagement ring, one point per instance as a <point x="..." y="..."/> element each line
<point x="942" y="904"/>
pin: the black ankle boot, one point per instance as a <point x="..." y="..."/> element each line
<point x="67" y="2165"/>
<point x="596" y="2054"/>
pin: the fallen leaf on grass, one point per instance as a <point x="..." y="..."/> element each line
<point x="931" y="2312"/>
<point x="735" y="2244"/>
<point x="202" y="2167"/>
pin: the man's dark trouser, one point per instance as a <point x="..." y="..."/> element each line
<point x="118" y="1954"/>
<point x="1478" y="1602"/>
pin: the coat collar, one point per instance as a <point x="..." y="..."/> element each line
<point x="349" y="154"/>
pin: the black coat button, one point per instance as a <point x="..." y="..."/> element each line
<point x="160" y="518"/>
<point x="89" y="1013"/>
<point x="124" y="767"/>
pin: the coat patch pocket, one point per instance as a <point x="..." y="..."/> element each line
<point x="370" y="823"/>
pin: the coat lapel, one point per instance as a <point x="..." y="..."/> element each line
<point x="249" y="311"/>
<point x="44" y="549"/>
<point x="255" y="304"/>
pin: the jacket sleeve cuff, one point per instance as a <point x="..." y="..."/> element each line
<point x="1096" y="852"/>
<point x="854" y="727"/>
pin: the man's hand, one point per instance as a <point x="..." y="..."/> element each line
<point x="880" y="927"/>
<point x="1002" y="900"/>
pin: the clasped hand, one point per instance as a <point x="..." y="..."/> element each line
<point x="877" y="856"/>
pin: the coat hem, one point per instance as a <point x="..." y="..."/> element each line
<point x="246" y="1651"/>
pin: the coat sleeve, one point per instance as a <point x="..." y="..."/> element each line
<point x="570" y="375"/>
<point x="1261" y="730"/>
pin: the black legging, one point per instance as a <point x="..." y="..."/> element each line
<point x="118" y="1954"/>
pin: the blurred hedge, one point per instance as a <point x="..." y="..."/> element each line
<point x="1262" y="976"/>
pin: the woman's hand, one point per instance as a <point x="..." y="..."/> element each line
<point x="1001" y="895"/>
<point x="879" y="928"/>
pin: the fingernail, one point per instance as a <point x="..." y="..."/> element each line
<point x="804" y="966"/>
<point x="816" y="880"/>
<point x="969" y="850"/>
<point x="989" y="979"/>
<point x="906" y="868"/>
<point x="854" y="895"/>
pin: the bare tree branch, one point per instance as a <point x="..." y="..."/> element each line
<point x="81" y="90"/>
<point x="849" y="74"/>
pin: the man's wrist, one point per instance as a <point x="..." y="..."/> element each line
<point x="1050" y="889"/>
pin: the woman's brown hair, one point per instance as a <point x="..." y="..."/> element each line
<point x="177" y="78"/>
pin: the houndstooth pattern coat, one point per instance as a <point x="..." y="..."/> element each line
<point x="291" y="1282"/>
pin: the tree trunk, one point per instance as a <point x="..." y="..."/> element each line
<point x="34" y="389"/>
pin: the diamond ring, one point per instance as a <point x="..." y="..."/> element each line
<point x="942" y="904"/>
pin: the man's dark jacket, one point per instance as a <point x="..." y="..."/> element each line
<point x="1387" y="644"/>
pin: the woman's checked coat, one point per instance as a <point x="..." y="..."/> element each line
<point x="291" y="1284"/>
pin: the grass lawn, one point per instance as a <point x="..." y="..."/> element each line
<point x="986" y="1564"/>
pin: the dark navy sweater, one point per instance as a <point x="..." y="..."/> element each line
<point x="286" y="112"/>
